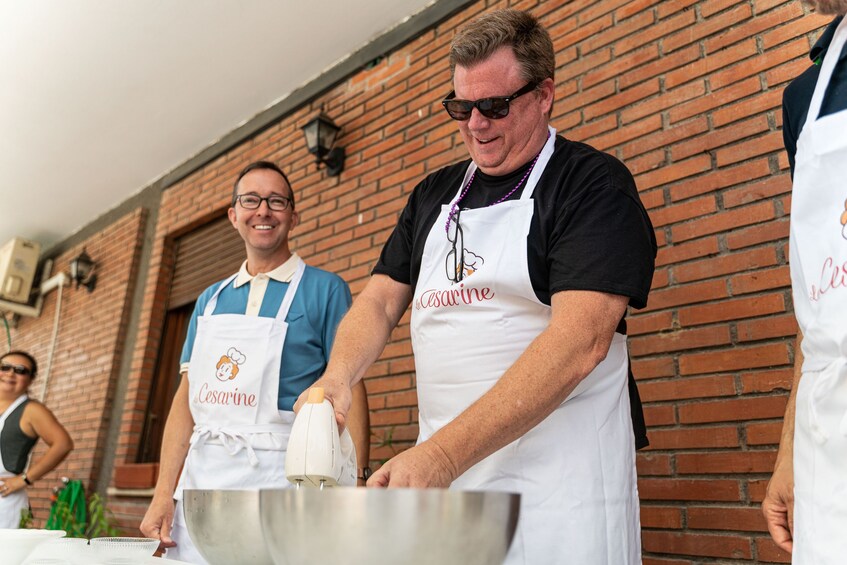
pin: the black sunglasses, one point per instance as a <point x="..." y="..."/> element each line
<point x="492" y="108"/>
<point x="455" y="264"/>
<point x="18" y="369"/>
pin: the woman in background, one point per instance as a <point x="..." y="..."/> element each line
<point x="22" y="422"/>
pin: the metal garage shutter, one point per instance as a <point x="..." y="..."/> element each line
<point x="206" y="255"/>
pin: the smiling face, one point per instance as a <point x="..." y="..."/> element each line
<point x="264" y="231"/>
<point x="11" y="383"/>
<point x="499" y="147"/>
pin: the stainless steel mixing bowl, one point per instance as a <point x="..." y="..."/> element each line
<point x="225" y="526"/>
<point x="387" y="526"/>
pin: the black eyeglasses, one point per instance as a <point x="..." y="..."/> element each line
<point x="18" y="369"/>
<point x="275" y="202"/>
<point x="455" y="263"/>
<point x="492" y="108"/>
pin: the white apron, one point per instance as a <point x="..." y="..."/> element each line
<point x="11" y="505"/>
<point x="576" y="469"/>
<point x="240" y="435"/>
<point x="818" y="251"/>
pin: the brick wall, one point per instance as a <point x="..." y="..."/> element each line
<point x="687" y="94"/>
<point x="88" y="350"/>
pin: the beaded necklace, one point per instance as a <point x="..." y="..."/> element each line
<point x="455" y="206"/>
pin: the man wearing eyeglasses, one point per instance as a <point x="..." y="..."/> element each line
<point x="805" y="505"/>
<point x="255" y="341"/>
<point x="519" y="265"/>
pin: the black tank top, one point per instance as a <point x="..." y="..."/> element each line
<point x="15" y="445"/>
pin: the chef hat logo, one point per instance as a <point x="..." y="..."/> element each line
<point x="844" y="221"/>
<point x="227" y="366"/>
<point x="473" y="262"/>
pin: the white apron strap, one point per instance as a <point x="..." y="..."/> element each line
<point x="210" y="306"/>
<point x="292" y="290"/>
<point x="234" y="438"/>
<point x="541" y="164"/>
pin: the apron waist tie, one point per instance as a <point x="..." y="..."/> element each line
<point x="233" y="438"/>
<point x="825" y="381"/>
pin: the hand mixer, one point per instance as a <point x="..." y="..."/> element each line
<point x="317" y="455"/>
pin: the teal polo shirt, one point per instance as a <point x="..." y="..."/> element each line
<point x="321" y="301"/>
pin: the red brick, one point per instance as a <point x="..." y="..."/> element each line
<point x="761" y="233"/>
<point x="728" y="546"/>
<point x="685" y="294"/>
<point x="673" y="254"/>
<point x="674" y="172"/>
<point x="687" y="388"/>
<point x="725" y="463"/>
<point x="726" y="264"/>
<point x="768" y="552"/>
<point x="757" y="281"/>
<point x="775" y="326"/>
<point x="648" y="323"/>
<point x="665" y="517"/>
<point x="736" y="359"/>
<point x="727" y="410"/>
<point x="767" y="381"/>
<point x="766" y="433"/>
<point x="749" y="149"/>
<point x="653" y="464"/>
<point x="689" y="489"/>
<point x="650" y="368"/>
<point x="659" y="415"/>
<point x="727" y="219"/>
<point x="720" y="179"/>
<point x="693" y="438"/>
<point x="726" y="518"/>
<point x="735" y="309"/>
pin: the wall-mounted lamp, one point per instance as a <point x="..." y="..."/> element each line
<point x="82" y="271"/>
<point x="320" y="135"/>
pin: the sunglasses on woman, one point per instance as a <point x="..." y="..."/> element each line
<point x="18" y="369"/>
<point x="492" y="108"/>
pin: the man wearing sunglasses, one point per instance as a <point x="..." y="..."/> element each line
<point x="255" y="341"/>
<point x="519" y="265"/>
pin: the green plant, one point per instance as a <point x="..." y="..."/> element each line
<point x="99" y="522"/>
<point x="26" y="518"/>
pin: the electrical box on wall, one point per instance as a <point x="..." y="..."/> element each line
<point x="18" y="264"/>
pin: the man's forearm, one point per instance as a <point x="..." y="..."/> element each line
<point x="538" y="382"/>
<point x="175" y="440"/>
<point x="366" y="328"/>
<point x="786" y="441"/>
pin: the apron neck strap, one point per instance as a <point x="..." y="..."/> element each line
<point x="291" y="291"/>
<point x="286" y="301"/>
<point x="541" y="164"/>
<point x="210" y="306"/>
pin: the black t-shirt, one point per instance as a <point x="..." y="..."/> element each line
<point x="798" y="95"/>
<point x="589" y="230"/>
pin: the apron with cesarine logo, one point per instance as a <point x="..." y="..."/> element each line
<point x="818" y="261"/>
<point x="575" y="470"/>
<point x="240" y="435"/>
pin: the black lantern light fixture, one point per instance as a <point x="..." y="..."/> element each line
<point x="82" y="271"/>
<point x="321" y="133"/>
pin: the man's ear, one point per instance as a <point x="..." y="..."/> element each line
<point x="295" y="219"/>
<point x="547" y="89"/>
<point x="231" y="215"/>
